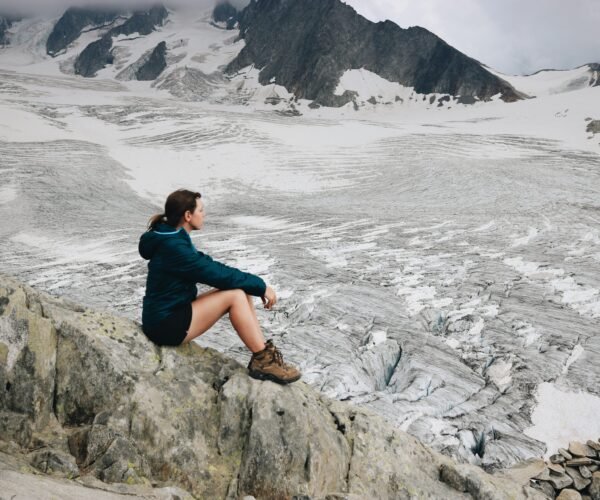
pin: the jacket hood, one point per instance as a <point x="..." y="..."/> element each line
<point x="151" y="240"/>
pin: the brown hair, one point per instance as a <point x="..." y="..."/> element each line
<point x="177" y="204"/>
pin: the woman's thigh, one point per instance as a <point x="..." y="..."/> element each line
<point x="208" y="308"/>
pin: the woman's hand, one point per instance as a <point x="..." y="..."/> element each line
<point x="269" y="298"/>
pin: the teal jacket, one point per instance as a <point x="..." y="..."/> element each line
<point x="174" y="269"/>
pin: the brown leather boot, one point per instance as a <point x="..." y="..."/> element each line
<point x="268" y="365"/>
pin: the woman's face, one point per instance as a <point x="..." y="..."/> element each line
<point x="196" y="220"/>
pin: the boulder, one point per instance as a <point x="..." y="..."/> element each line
<point x="594" y="489"/>
<point x="579" y="482"/>
<point x="569" y="494"/>
<point x="578" y="449"/>
<point x="102" y="402"/>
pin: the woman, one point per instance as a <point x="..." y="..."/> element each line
<point x="173" y="314"/>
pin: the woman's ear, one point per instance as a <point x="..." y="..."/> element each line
<point x="187" y="216"/>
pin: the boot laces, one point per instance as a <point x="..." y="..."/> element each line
<point x="278" y="357"/>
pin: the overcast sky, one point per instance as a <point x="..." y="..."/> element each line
<point x="512" y="36"/>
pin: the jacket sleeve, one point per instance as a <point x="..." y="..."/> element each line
<point x="191" y="265"/>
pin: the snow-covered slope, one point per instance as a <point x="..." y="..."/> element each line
<point x="548" y="82"/>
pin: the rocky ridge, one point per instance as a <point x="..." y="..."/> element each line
<point x="85" y="397"/>
<point x="324" y="39"/>
<point x="5" y="24"/>
<point x="69" y="27"/>
<point x="98" y="54"/>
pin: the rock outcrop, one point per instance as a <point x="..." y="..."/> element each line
<point x="73" y="21"/>
<point x="148" y="67"/>
<point x="84" y="396"/>
<point x="94" y="57"/>
<point x="324" y="39"/>
<point x="595" y="71"/>
<point x="593" y="127"/>
<point x="98" y="53"/>
<point x="154" y="65"/>
<point x="226" y="14"/>
<point x="5" y="24"/>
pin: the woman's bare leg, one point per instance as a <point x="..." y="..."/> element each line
<point x="208" y="308"/>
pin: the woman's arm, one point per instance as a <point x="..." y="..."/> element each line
<point x="191" y="265"/>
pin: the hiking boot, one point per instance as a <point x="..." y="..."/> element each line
<point x="268" y="365"/>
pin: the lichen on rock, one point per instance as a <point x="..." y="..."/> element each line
<point x="97" y="400"/>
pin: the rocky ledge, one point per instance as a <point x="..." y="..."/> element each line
<point x="87" y="402"/>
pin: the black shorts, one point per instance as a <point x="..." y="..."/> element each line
<point x="173" y="329"/>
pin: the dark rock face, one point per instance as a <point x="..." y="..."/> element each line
<point x="94" y="57"/>
<point x="155" y="64"/>
<point x="142" y="22"/>
<point x="595" y="69"/>
<point x="323" y="39"/>
<point x="226" y="13"/>
<point x="69" y="26"/>
<point x="97" y="54"/>
<point x="4" y="25"/>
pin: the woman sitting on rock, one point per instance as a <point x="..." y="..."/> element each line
<point x="174" y="314"/>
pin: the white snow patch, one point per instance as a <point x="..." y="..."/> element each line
<point x="8" y="193"/>
<point x="499" y="373"/>
<point x="368" y="84"/>
<point x="562" y="416"/>
<point x="415" y="297"/>
<point x="525" y="239"/>
<point x="578" y="350"/>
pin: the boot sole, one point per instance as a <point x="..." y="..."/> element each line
<point x="272" y="378"/>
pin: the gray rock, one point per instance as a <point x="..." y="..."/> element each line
<point x="98" y="54"/>
<point x="593" y="126"/>
<point x="578" y="480"/>
<point x="545" y="487"/>
<point x="585" y="472"/>
<point x="191" y="417"/>
<point x="226" y="13"/>
<point x="576" y="462"/>
<point x="18" y="480"/>
<point x="16" y="427"/>
<point x="5" y="24"/>
<point x="594" y="490"/>
<point x="560" y="481"/>
<point x="565" y="453"/>
<point x="569" y="494"/>
<point x="154" y="65"/>
<point x="521" y="473"/>
<point x="556" y="469"/>
<point x="54" y="462"/>
<point x="69" y="26"/>
<point x="557" y="459"/>
<point x="323" y="39"/>
<point x="578" y="449"/>
<point x="94" y="57"/>
<point x="595" y="445"/>
<point x="143" y="22"/>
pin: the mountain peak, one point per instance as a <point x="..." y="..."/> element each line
<point x="325" y="39"/>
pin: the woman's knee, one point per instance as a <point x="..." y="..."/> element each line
<point x="238" y="295"/>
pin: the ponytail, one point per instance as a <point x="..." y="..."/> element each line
<point x="178" y="203"/>
<point x="155" y="220"/>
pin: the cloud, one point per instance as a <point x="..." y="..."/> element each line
<point x="513" y="36"/>
<point x="43" y="7"/>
